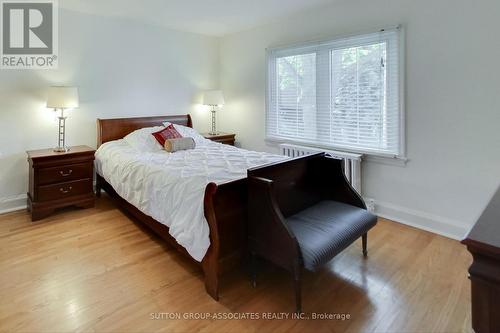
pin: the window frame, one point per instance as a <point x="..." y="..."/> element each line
<point x="299" y="48"/>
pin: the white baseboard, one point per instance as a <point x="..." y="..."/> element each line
<point x="418" y="219"/>
<point x="13" y="203"/>
<point x="422" y="220"/>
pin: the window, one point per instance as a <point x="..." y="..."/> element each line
<point x="343" y="94"/>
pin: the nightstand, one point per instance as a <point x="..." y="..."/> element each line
<point x="226" y="138"/>
<point x="58" y="180"/>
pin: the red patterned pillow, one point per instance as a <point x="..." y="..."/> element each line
<point x="167" y="133"/>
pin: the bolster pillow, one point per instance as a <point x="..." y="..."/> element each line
<point x="173" y="145"/>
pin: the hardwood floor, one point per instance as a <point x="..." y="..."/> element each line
<point x="95" y="270"/>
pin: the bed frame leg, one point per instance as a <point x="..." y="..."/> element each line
<point x="210" y="270"/>
<point x="364" y="240"/>
<point x="297" y="284"/>
<point x="254" y="268"/>
<point x="98" y="186"/>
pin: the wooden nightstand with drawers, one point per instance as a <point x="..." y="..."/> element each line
<point x="221" y="137"/>
<point x="58" y="180"/>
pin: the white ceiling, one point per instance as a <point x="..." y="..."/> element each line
<point x="208" y="17"/>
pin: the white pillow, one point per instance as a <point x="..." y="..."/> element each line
<point x="188" y="132"/>
<point x="143" y="140"/>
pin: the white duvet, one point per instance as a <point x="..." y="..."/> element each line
<point x="170" y="187"/>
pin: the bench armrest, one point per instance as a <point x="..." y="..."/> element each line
<point x="334" y="184"/>
<point x="269" y="234"/>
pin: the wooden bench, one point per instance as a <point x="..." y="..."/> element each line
<point x="302" y="213"/>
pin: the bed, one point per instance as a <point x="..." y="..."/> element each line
<point x="211" y="228"/>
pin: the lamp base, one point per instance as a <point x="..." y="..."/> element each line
<point x="61" y="149"/>
<point x="214" y="133"/>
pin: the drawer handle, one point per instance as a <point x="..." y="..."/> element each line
<point x="62" y="190"/>
<point x="66" y="174"/>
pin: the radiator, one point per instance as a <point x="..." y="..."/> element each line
<point x="352" y="162"/>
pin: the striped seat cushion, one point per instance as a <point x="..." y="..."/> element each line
<point x="327" y="228"/>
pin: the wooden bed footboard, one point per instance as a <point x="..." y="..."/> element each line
<point x="225" y="211"/>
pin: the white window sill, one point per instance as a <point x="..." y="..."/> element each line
<point x="396" y="161"/>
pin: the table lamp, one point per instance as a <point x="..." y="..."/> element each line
<point x="213" y="98"/>
<point x="62" y="98"/>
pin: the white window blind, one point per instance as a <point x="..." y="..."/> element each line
<point x="343" y="94"/>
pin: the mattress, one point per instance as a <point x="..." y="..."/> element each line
<point x="170" y="187"/>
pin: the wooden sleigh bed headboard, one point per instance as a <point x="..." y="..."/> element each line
<point x="117" y="128"/>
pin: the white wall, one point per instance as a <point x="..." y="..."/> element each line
<point x="122" y="68"/>
<point x="452" y="101"/>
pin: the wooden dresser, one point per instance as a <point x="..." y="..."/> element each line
<point x="226" y="138"/>
<point x="483" y="242"/>
<point x="60" y="179"/>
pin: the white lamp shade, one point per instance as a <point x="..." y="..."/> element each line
<point x="213" y="97"/>
<point x="63" y="97"/>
